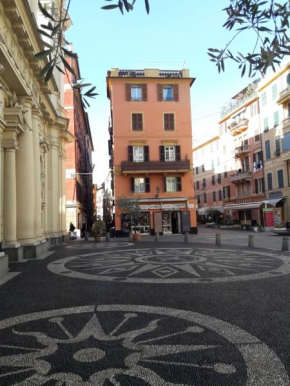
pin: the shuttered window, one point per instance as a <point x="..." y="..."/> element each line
<point x="267" y="149"/>
<point x="167" y="92"/>
<point x="169" y="122"/>
<point x="137" y="122"/>
<point x="269" y="181"/>
<point x="220" y="195"/>
<point x="214" y="196"/>
<point x="280" y="179"/>
<point x="136" y="92"/>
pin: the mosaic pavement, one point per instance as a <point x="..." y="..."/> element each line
<point x="132" y="345"/>
<point x="111" y="244"/>
<point x="173" y="265"/>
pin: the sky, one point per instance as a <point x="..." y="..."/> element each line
<point x="175" y="35"/>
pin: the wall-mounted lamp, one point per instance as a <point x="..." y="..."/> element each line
<point x="157" y="191"/>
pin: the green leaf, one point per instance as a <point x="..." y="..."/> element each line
<point x="78" y="86"/>
<point x="45" y="69"/>
<point x="67" y="66"/>
<point x="60" y="69"/>
<point x="49" y="73"/>
<point x="43" y="54"/>
<point x="147" y="6"/>
<point x="44" y="12"/>
<point x="108" y="7"/>
<point x="44" y="33"/>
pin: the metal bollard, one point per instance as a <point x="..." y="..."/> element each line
<point x="86" y="236"/>
<point x="218" y="239"/>
<point x="251" y="242"/>
<point x="186" y="237"/>
<point x="285" y="244"/>
<point x="107" y="237"/>
<point x="156" y="236"/>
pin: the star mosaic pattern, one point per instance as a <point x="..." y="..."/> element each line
<point x="173" y="265"/>
<point x="105" y="245"/>
<point x="125" y="345"/>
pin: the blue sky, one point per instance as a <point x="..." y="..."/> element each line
<point x="171" y="35"/>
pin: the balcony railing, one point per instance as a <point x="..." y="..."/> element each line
<point x="241" y="176"/>
<point x="242" y="149"/>
<point x="155" y="166"/>
<point x="131" y="73"/>
<point x="286" y="123"/>
<point x="284" y="95"/>
<point x="170" y="74"/>
<point x="237" y="127"/>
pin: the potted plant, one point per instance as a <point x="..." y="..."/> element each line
<point x="130" y="206"/>
<point x="99" y="228"/>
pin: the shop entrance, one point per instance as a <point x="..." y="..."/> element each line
<point x="171" y="222"/>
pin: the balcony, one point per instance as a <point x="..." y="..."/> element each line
<point x="286" y="124"/>
<point x="240" y="177"/>
<point x="155" y="167"/>
<point x="237" y="127"/>
<point x="284" y="95"/>
<point x="240" y="150"/>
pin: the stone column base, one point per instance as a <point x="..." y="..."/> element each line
<point x="13" y="251"/>
<point x="55" y="240"/>
<point x="35" y="250"/>
<point x="3" y="265"/>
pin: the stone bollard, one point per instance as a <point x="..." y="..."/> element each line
<point x="186" y="237"/>
<point x="156" y="236"/>
<point x="218" y="239"/>
<point x="86" y="236"/>
<point x="285" y="244"/>
<point x="107" y="237"/>
<point x="251" y="242"/>
<point x="131" y="237"/>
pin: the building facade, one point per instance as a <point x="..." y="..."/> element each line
<point x="33" y="139"/>
<point x="79" y="167"/>
<point x="150" y="148"/>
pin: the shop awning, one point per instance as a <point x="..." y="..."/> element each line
<point x="218" y="208"/>
<point x="246" y="206"/>
<point x="202" y="211"/>
<point x="273" y="201"/>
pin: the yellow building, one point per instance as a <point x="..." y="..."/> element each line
<point x="33" y="136"/>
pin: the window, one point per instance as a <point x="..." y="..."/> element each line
<point x="202" y="168"/>
<point x="203" y="182"/>
<point x="136" y="92"/>
<point x="219" y="178"/>
<point x="277" y="143"/>
<point x="213" y="180"/>
<point x="214" y="196"/>
<point x="276" y="118"/>
<point x="138" y="153"/>
<point x="266" y="124"/>
<point x="280" y="179"/>
<point x="220" y="195"/>
<point x="267" y="149"/>
<point x="167" y="92"/>
<point x="274" y="92"/>
<point x="269" y="181"/>
<point x="137" y="122"/>
<point x="169" y="122"/>
<point x="198" y="199"/>
<point x="139" y="185"/>
<point x="257" y="135"/>
<point x="288" y="80"/>
<point x="288" y="109"/>
<point x="286" y="142"/>
<point x="169" y="152"/>
<point x="227" y="192"/>
<point x="197" y="184"/>
<point x="196" y="170"/>
<point x="204" y="198"/>
<point x="225" y="174"/>
<point x="173" y="184"/>
<point x="259" y="185"/>
<point x="264" y="99"/>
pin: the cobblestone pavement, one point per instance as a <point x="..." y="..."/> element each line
<point x="151" y="313"/>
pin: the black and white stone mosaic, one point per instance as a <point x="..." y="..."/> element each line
<point x="173" y="265"/>
<point x="111" y="244"/>
<point x="124" y="345"/>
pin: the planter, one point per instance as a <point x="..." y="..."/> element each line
<point x="98" y="239"/>
<point x="136" y="237"/>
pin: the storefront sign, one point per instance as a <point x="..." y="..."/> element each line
<point x="269" y="217"/>
<point x="163" y="207"/>
<point x="190" y="206"/>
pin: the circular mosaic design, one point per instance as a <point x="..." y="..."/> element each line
<point x="173" y="265"/>
<point x="132" y="345"/>
<point x="105" y="245"/>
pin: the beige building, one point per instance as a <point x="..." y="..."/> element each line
<point x="33" y="136"/>
<point x="274" y="92"/>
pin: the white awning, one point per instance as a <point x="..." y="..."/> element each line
<point x="246" y="206"/>
<point x="202" y="211"/>
<point x="218" y="208"/>
<point x="273" y="201"/>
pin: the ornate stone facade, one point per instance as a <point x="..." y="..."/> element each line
<point x="33" y="137"/>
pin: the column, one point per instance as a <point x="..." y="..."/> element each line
<point x="37" y="175"/>
<point x="63" y="193"/>
<point x="9" y="201"/>
<point x="25" y="174"/>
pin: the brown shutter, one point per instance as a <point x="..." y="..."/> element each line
<point x="146" y="153"/>
<point x="164" y="181"/>
<point x="161" y="152"/>
<point x="147" y="184"/>
<point x="166" y="123"/>
<point x="177" y="153"/>
<point x="178" y="184"/>
<point x="159" y="92"/>
<point x="132" y="184"/>
<point x="130" y="153"/>
<point x="140" y="122"/>
<point x="134" y="122"/>
<point x="144" y="92"/>
<point x="128" y="91"/>
<point x="175" y="92"/>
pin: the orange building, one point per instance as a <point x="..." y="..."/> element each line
<point x="150" y="148"/>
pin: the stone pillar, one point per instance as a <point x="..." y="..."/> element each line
<point x="9" y="202"/>
<point x="63" y="193"/>
<point x="37" y="175"/>
<point x="25" y="174"/>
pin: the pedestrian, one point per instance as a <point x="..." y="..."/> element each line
<point x="288" y="225"/>
<point x="71" y="227"/>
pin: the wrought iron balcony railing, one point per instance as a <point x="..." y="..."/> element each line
<point x="247" y="175"/>
<point x="155" y="166"/>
